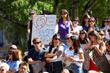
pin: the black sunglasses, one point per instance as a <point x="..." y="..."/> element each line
<point x="37" y="42"/>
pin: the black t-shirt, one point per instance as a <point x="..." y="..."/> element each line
<point x="36" y="56"/>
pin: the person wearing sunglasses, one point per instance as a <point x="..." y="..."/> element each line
<point x="54" y="55"/>
<point x="36" y="56"/>
<point x="92" y="25"/>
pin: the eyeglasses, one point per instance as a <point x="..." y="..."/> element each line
<point x="37" y="42"/>
<point x="56" y="39"/>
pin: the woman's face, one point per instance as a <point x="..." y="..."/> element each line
<point x="56" y="41"/>
<point x="75" y="23"/>
<point x="23" y="69"/>
<point x="64" y="15"/>
<point x="91" y="23"/>
<point x="69" y="42"/>
<point x="86" y="19"/>
<point x="82" y="35"/>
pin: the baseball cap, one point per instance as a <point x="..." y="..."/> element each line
<point x="13" y="46"/>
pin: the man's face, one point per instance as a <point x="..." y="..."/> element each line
<point x="37" y="43"/>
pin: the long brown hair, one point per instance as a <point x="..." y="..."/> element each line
<point x="16" y="55"/>
<point x="76" y="43"/>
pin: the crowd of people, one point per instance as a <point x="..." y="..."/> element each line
<point x="74" y="48"/>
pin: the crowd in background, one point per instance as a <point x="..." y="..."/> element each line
<point x="74" y="48"/>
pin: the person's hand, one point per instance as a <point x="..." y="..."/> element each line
<point x="28" y="31"/>
<point x="70" y="59"/>
<point x="30" y="61"/>
<point x="94" y="47"/>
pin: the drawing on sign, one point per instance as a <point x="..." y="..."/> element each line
<point x="47" y="34"/>
<point x="44" y="27"/>
<point x="40" y="22"/>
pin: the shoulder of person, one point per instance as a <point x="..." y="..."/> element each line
<point x="18" y="62"/>
<point x="80" y="50"/>
<point x="31" y="49"/>
<point x="61" y="47"/>
<point x="43" y="50"/>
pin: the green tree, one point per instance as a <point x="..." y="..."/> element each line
<point x="14" y="14"/>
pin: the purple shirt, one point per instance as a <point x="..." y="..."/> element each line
<point x="64" y="28"/>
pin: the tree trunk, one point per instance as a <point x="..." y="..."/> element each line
<point x="75" y="9"/>
<point x="55" y="6"/>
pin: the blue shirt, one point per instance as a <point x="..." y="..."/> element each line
<point x="69" y="52"/>
<point x="14" y="65"/>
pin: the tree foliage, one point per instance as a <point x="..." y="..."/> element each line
<point x="14" y="14"/>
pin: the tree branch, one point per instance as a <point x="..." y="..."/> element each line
<point x="90" y="5"/>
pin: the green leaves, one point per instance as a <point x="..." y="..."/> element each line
<point x="17" y="11"/>
<point x="39" y="7"/>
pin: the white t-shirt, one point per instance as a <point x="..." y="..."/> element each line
<point x="77" y="29"/>
<point x="76" y="57"/>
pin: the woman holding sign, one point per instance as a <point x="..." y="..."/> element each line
<point x="64" y="25"/>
